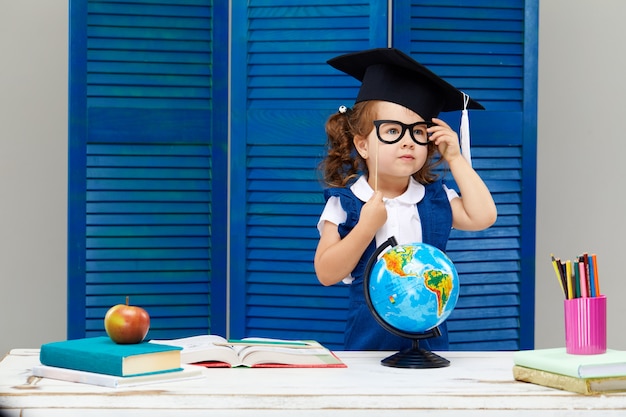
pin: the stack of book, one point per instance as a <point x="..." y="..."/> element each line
<point x="100" y="361"/>
<point x="583" y="374"/>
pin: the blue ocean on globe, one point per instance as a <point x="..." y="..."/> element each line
<point x="413" y="287"/>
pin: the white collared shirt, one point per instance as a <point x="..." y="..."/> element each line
<point x="403" y="220"/>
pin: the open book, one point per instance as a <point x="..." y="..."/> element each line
<point x="216" y="351"/>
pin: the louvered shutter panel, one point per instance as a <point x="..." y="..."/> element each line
<point x="145" y="199"/>
<point x="283" y="91"/>
<point x="484" y="48"/>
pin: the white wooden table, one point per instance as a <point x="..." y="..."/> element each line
<point x="475" y="384"/>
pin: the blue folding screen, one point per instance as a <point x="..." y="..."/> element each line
<point x="152" y="198"/>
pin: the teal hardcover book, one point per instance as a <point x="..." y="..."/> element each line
<point x="102" y="355"/>
<point x="612" y="363"/>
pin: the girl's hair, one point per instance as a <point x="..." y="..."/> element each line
<point x="343" y="164"/>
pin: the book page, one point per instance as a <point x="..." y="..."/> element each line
<point x="288" y="352"/>
<point x="203" y="348"/>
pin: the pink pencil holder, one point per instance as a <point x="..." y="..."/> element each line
<point x="585" y="325"/>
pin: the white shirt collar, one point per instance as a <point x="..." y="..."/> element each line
<point x="413" y="194"/>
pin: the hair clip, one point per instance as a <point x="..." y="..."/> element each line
<point x="343" y="109"/>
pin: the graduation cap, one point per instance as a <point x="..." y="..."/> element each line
<point x="388" y="74"/>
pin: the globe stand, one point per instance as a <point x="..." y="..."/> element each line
<point x="416" y="357"/>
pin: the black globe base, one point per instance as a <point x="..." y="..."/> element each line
<point x="415" y="358"/>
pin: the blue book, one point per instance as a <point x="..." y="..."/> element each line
<point x="102" y="355"/>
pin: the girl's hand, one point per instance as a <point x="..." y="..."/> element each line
<point x="335" y="257"/>
<point x="446" y="139"/>
<point x="373" y="213"/>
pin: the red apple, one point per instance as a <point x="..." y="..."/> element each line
<point x="126" y="324"/>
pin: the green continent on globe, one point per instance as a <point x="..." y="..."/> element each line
<point x="396" y="260"/>
<point x="441" y="284"/>
<point x="435" y="280"/>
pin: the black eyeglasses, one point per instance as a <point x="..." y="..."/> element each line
<point x="391" y="131"/>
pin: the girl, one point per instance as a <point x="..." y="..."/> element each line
<point x="379" y="170"/>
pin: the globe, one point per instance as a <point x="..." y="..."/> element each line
<point x="414" y="287"/>
<point x="411" y="289"/>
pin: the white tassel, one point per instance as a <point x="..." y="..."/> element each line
<point x="465" y="131"/>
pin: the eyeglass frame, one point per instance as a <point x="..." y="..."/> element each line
<point x="405" y="126"/>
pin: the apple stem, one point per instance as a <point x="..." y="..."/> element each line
<point x="127" y="297"/>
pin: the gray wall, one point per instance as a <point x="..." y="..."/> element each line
<point x="33" y="171"/>
<point x="582" y="108"/>
<point x="581" y="146"/>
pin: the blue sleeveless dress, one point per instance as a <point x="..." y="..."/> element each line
<point x="363" y="332"/>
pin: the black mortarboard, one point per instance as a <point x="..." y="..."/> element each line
<point x="390" y="75"/>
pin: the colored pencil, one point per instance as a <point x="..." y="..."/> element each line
<point x="576" y="279"/>
<point x="596" y="279"/>
<point x="556" y="265"/>
<point x="583" y="278"/>
<point x="585" y="257"/>
<point x="568" y="274"/>
<point x="592" y="278"/>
